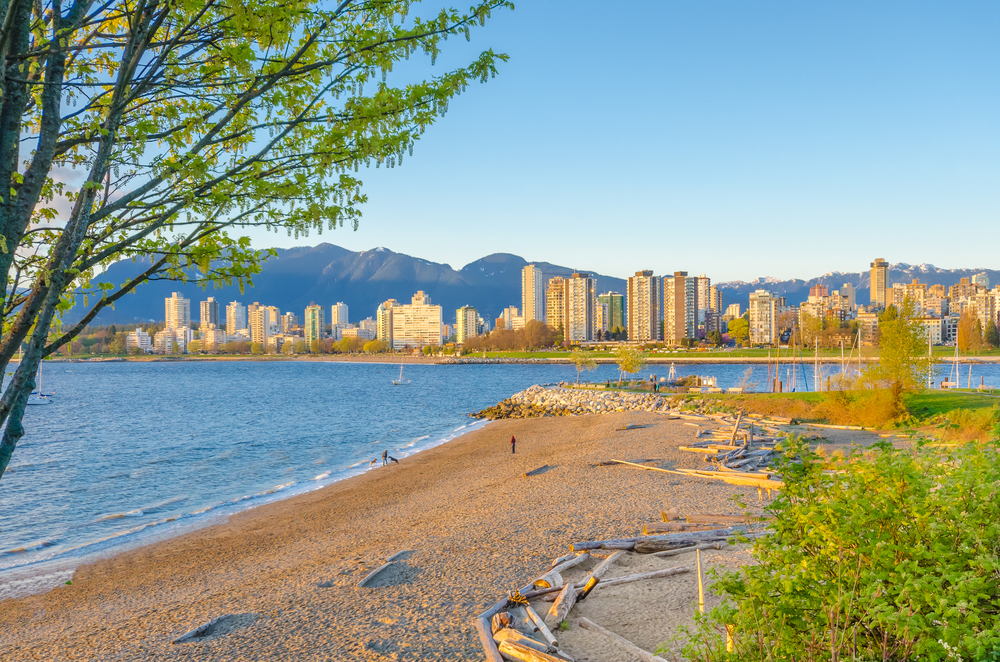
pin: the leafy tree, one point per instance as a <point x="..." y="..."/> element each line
<point x="168" y="125"/>
<point x="375" y="347"/>
<point x="301" y="347"/>
<point x="970" y="337"/>
<point x="194" y="346"/>
<point x="903" y="364"/>
<point x="112" y="331"/>
<point x="314" y="346"/>
<point x="117" y="346"/>
<point x="715" y="337"/>
<point x="992" y="335"/>
<point x="583" y="361"/>
<point x="630" y="360"/>
<point x="136" y="351"/>
<point x="256" y="348"/>
<point x="739" y="330"/>
<point x="175" y="348"/>
<point x="288" y="348"/>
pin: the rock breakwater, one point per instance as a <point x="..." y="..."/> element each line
<point x="537" y="401"/>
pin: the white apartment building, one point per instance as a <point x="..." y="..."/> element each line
<point x="356" y="332"/>
<point x="733" y="310"/>
<point x="466" y="319"/>
<point x="601" y="316"/>
<point x="704" y="297"/>
<point x="338" y="314"/>
<point x="370" y="325"/>
<point x="383" y="320"/>
<point x="417" y="324"/>
<point x="212" y="337"/>
<point x="933" y="329"/>
<point x="763" y="317"/>
<point x="580" y="301"/>
<point x="164" y="341"/>
<point x="260" y="323"/>
<point x="643" y="300"/>
<point x="273" y="320"/>
<point x="532" y="294"/>
<point x="178" y="311"/>
<point x="236" y="317"/>
<point x="140" y="339"/>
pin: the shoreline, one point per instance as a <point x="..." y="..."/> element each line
<point x="473" y="525"/>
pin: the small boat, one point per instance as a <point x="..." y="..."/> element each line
<point x="400" y="382"/>
<point x="39" y="397"/>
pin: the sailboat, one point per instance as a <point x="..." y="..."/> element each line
<point x="39" y="397"/>
<point x="400" y="382"/>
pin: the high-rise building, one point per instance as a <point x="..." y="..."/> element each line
<point x="465" y="324"/>
<point x="616" y="309"/>
<point x="763" y="317"/>
<point x="733" y="310"/>
<point x="260" y="323"/>
<point x="510" y="319"/>
<point x="644" y="307"/>
<point x="579" y="299"/>
<point x="715" y="299"/>
<point x="209" y="312"/>
<point x="601" y="316"/>
<point x="236" y="317"/>
<point x="532" y="294"/>
<point x="338" y="314"/>
<point x="847" y="290"/>
<point x="383" y="320"/>
<point x="704" y="298"/>
<point x="680" y="307"/>
<point x="555" y="303"/>
<point x="315" y="323"/>
<point x="880" y="283"/>
<point x="981" y="279"/>
<point x="178" y="311"/>
<point x="418" y="324"/>
<point x="288" y="322"/>
<point x="273" y="320"/>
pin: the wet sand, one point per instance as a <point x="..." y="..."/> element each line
<point x="474" y="528"/>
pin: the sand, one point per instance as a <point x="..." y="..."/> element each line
<point x="473" y="528"/>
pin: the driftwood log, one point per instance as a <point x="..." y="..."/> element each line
<point x="521" y="652"/>
<point x="510" y="634"/>
<point x="550" y="579"/>
<point x="571" y="563"/>
<point x="673" y="527"/>
<point x="681" y="539"/>
<point x="655" y="574"/>
<point x="620" y="642"/>
<point x="562" y="606"/>
<point x="374" y="573"/>
<point x="540" y="624"/>
<point x="686" y="550"/>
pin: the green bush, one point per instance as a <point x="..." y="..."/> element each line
<point x="883" y="555"/>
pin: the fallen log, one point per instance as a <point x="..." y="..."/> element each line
<point x="620" y="642"/>
<point x="523" y="653"/>
<point x="655" y="574"/>
<point x="671" y="527"/>
<point x="540" y="625"/>
<point x="717" y="519"/>
<point x="512" y="635"/>
<point x="486" y="637"/>
<point x="686" y="550"/>
<point x="687" y="537"/>
<point x="571" y="563"/>
<point x="563" y="605"/>
<point x="550" y="579"/>
<point x="618" y="543"/>
<point x="371" y="575"/>
<point x="561" y="559"/>
<point x="602" y="567"/>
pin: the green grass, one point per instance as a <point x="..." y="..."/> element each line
<point x="927" y="404"/>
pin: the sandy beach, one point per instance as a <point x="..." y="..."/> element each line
<point x="473" y="528"/>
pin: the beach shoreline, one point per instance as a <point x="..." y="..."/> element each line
<point x="474" y="526"/>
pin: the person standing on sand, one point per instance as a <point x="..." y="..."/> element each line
<point x="512" y="442"/>
<point x="385" y="457"/>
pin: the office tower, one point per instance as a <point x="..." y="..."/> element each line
<point x="417" y="324"/>
<point x="579" y="299"/>
<point x="260" y="323"/>
<point x="847" y="290"/>
<point x="465" y="324"/>
<point x="178" y="311"/>
<point x="383" y="320"/>
<point x="763" y="317"/>
<point x="532" y="294"/>
<point x="680" y="307"/>
<point x="209" y="312"/>
<point x="273" y="320"/>
<point x="616" y="309"/>
<point x="879" y="282"/>
<point x="315" y="323"/>
<point x="555" y="303"/>
<point x="236" y="317"/>
<point x="338" y="314"/>
<point x="644" y="306"/>
<point x="288" y="322"/>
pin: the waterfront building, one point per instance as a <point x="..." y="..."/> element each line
<point x="260" y="323"/>
<point x="383" y="320"/>
<point x="236" y="317"/>
<point x="616" y="309"/>
<point x="532" y="294"/>
<point x="763" y="317"/>
<point x="211" y="337"/>
<point x="338" y="314"/>
<point x="140" y="339"/>
<point x="273" y="320"/>
<point x="315" y="323"/>
<point x="601" y="316"/>
<point x="680" y="307"/>
<point x="555" y="303"/>
<point x="579" y="298"/>
<point x="288" y="322"/>
<point x="510" y="319"/>
<point x="417" y="324"/>
<point x="178" y="311"/>
<point x="167" y="340"/>
<point x="466" y="319"/>
<point x="355" y="332"/>
<point x="209" y="312"/>
<point x="715" y="299"/>
<point x="933" y="329"/>
<point x="644" y="307"/>
<point x="370" y="325"/>
<point x="879" y="283"/>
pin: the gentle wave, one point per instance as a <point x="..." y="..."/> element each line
<point x="322" y="476"/>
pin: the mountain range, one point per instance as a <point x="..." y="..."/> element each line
<point x="327" y="274"/>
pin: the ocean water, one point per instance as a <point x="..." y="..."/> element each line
<point x="126" y="451"/>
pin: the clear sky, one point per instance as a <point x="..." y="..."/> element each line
<point x="736" y="139"/>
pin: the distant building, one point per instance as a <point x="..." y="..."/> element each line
<point x="715" y="299"/>
<point x="370" y="325"/>
<point x="209" y="312"/>
<point x="733" y="311"/>
<point x="879" y="283"/>
<point x="555" y="303"/>
<point x="982" y="279"/>
<point x="868" y="328"/>
<point x="465" y="324"/>
<point x="165" y="341"/>
<point x="680" y="307"/>
<point x="273" y="320"/>
<point x="211" y="337"/>
<point x="704" y="297"/>
<point x="178" y="311"/>
<point x="818" y="290"/>
<point x="315" y="323"/>
<point x="644" y="311"/>
<point x="763" y="317"/>
<point x="418" y="324"/>
<point x="236" y="317"/>
<point x="933" y="329"/>
<point x="357" y="332"/>
<point x="532" y="294"/>
<point x="140" y="339"/>
<point x="510" y="319"/>
<point x="580" y="297"/>
<point x="260" y="323"/>
<point x="338" y="313"/>
<point x="288" y="322"/>
<point x="384" y="320"/>
<point x="847" y="290"/>
<point x="616" y="310"/>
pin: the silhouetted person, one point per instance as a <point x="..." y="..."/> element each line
<point x="385" y="457"/>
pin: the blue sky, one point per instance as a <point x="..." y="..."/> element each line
<point x="735" y="139"/>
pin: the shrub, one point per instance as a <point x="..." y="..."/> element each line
<point x="888" y="555"/>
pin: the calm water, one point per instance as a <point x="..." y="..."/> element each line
<point x="129" y="450"/>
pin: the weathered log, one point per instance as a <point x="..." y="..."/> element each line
<point x="672" y="527"/>
<point x="550" y="579"/>
<point x="652" y="545"/>
<point x="655" y="574"/>
<point x="693" y="537"/>
<point x="619" y="543"/>
<point x="726" y="519"/>
<point x="685" y="550"/>
<point x="736" y="428"/>
<point x="486" y="637"/>
<point x="371" y="575"/>
<point x="540" y="624"/>
<point x="563" y="604"/>
<point x="571" y="563"/>
<point x="620" y="642"/>
<point x="561" y="559"/>
<point x="516" y="651"/>
<point x="602" y="568"/>
<point x="509" y="634"/>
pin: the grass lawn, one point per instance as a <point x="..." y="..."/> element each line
<point x="925" y="404"/>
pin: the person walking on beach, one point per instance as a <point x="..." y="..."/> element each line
<point x="385" y="457"/>
<point x="512" y="442"/>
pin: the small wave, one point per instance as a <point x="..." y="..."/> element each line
<point x="132" y="513"/>
<point x="460" y="427"/>
<point x="33" y="547"/>
<point x="322" y="476"/>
